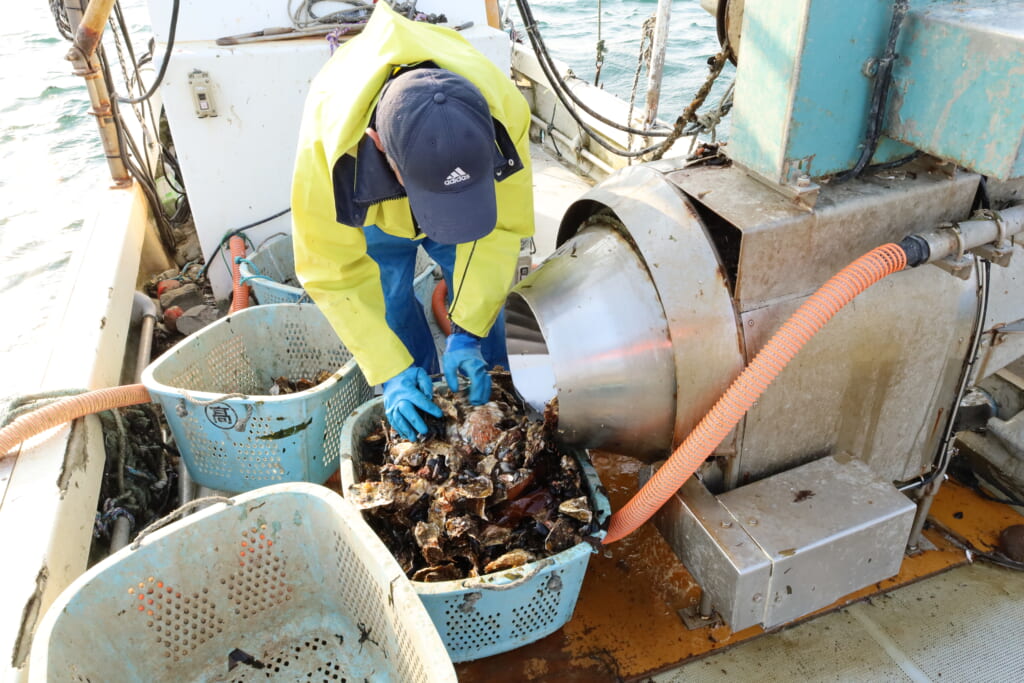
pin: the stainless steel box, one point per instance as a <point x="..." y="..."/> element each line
<point x="785" y="546"/>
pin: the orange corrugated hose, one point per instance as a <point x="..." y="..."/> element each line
<point x="67" y="409"/>
<point x="752" y="382"/>
<point x="240" y="292"/>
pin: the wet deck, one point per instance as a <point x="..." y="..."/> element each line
<point x="626" y="624"/>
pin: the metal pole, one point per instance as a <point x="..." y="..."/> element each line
<point x="88" y="31"/>
<point x="924" y="506"/>
<point x="664" y="12"/>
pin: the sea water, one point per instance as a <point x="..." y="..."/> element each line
<point x="53" y="176"/>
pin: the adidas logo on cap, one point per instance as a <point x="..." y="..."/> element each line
<point x="456" y="176"/>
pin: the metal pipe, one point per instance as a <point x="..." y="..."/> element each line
<point x="143" y="308"/>
<point x="564" y="139"/>
<point x="185" y="487"/>
<point x="967" y="235"/>
<point x="87" y="37"/>
<point x="664" y="12"/>
<point x="923" y="508"/>
<point x="119" y="536"/>
<point x="90" y="30"/>
<point x="706" y="610"/>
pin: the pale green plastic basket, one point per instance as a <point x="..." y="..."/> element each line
<point x="503" y="610"/>
<point x="213" y="388"/>
<point x="289" y="576"/>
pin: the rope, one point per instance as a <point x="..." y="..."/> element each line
<point x="60" y="18"/>
<point x="67" y="409"/>
<point x="643" y="58"/>
<point x="708" y="123"/>
<point x="303" y="16"/>
<point x="689" y="115"/>
<point x="600" y="48"/>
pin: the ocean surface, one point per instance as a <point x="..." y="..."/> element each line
<point x="53" y="176"/>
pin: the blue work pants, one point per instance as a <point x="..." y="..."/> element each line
<point x="396" y="258"/>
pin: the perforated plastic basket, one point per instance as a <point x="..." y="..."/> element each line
<point x="285" y="583"/>
<point x="214" y="388"/>
<point x="270" y="272"/>
<point x="500" y="611"/>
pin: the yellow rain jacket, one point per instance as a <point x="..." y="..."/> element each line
<point x="331" y="260"/>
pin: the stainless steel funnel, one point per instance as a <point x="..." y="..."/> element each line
<point x="590" y="320"/>
<point x="629" y="322"/>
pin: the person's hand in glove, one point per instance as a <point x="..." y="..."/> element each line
<point x="462" y="356"/>
<point x="406" y="394"/>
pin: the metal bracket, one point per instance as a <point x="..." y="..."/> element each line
<point x="693" y="620"/>
<point x="923" y="545"/>
<point x="958" y="264"/>
<point x="1001" y="250"/>
<point x="802" y="190"/>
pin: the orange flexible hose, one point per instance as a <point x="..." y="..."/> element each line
<point x="752" y="382"/>
<point x="240" y="292"/>
<point x="67" y="409"/>
<point x="440" y="307"/>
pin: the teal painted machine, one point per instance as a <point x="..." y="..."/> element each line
<point x="810" y="68"/>
<point x="856" y="123"/>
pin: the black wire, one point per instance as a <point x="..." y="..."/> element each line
<point x="879" y="95"/>
<point x="558" y="85"/>
<point x="260" y="222"/>
<point x="938" y="469"/>
<point x="462" y="281"/>
<point x="146" y="181"/>
<point x="240" y="232"/>
<point x="553" y="79"/>
<point x="163" y="66"/>
<point x="721" y="19"/>
<point x="893" y="164"/>
<point x="168" y="158"/>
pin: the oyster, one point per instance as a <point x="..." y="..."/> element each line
<point x="370" y="494"/>
<point x="513" y="558"/>
<point x="577" y="508"/>
<point x="482" y="425"/>
<point x="487" y="489"/>
<point x="443" y="572"/>
<point x="428" y="538"/>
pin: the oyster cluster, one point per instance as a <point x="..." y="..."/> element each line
<point x="283" y="385"/>
<point x="486" y="490"/>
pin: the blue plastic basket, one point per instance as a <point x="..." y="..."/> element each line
<point x="284" y="583"/>
<point x="270" y="272"/>
<point x="501" y="611"/>
<point x="213" y="387"/>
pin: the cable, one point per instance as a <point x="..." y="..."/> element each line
<point x="894" y="164"/>
<point x="558" y="85"/>
<point x="879" y="94"/>
<point x="462" y="280"/>
<point x="238" y="231"/>
<point x="722" y="29"/>
<point x="553" y="79"/>
<point x="945" y="452"/>
<point x="163" y="66"/>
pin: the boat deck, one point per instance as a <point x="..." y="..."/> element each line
<point x="941" y="618"/>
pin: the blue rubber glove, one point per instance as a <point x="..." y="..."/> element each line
<point x="462" y="356"/>
<point x="405" y="395"/>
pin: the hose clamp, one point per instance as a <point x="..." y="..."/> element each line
<point x="1000" y="251"/>
<point x="958" y="264"/>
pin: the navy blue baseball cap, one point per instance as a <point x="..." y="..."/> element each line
<point x="437" y="128"/>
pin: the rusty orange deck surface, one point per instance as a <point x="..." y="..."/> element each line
<point x="626" y="624"/>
